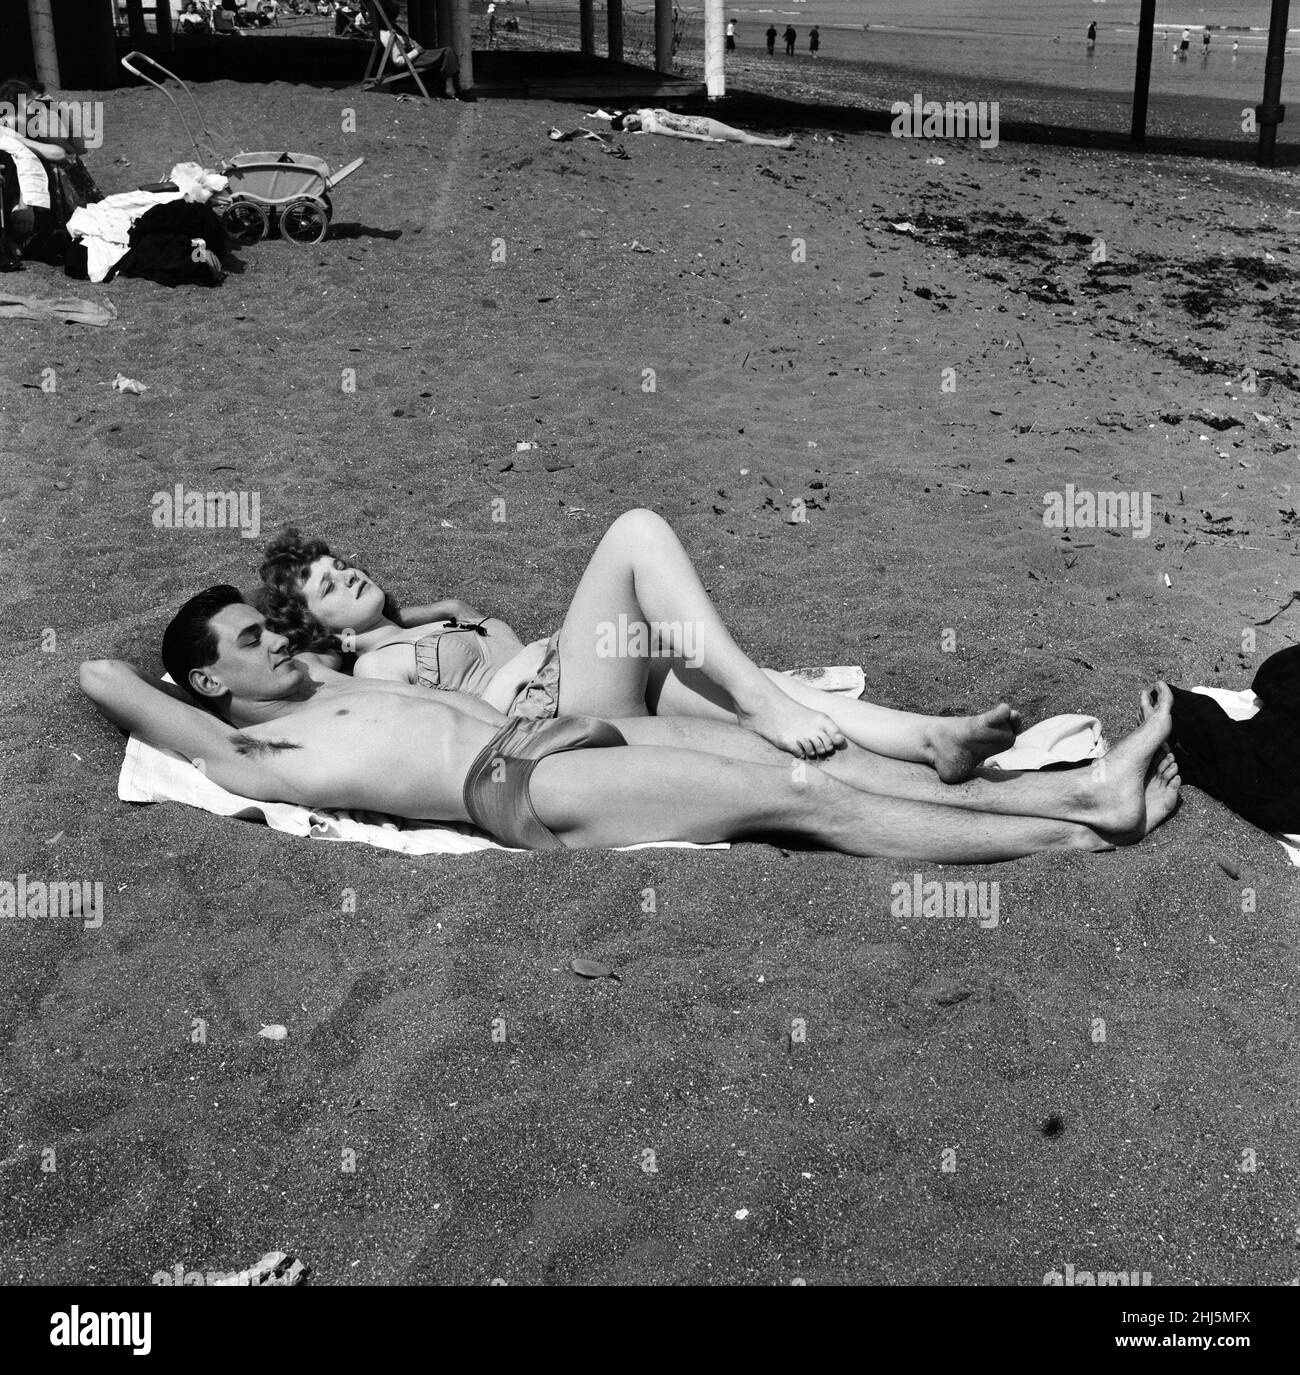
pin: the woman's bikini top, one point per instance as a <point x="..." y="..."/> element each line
<point x="457" y="657"/>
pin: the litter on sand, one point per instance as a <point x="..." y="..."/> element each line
<point x="275" y="1268"/>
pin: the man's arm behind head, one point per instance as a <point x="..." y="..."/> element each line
<point x="162" y="715"/>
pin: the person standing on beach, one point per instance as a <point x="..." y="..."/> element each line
<point x="1186" y="43"/>
<point x="1205" y="43"/>
<point x="731" y="35"/>
<point x="814" y="41"/>
<point x="1092" y="33"/>
<point x="790" y="37"/>
<point x="771" y="41"/>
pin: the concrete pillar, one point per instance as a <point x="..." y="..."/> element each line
<point x="715" y="41"/>
<point x="443" y="24"/>
<point x="1142" y="76"/>
<point x="614" y="19"/>
<point x="461" y="40"/>
<point x="40" y="17"/>
<point x="663" y="35"/>
<point x="1271" y="112"/>
<point x="587" y="26"/>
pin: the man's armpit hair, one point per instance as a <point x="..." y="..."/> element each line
<point x="252" y="745"/>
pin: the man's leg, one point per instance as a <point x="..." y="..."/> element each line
<point x="1108" y="795"/>
<point x="609" y="797"/>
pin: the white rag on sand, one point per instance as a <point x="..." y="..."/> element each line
<point x="1058" y="740"/>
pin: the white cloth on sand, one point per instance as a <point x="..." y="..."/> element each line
<point x="1058" y="740"/>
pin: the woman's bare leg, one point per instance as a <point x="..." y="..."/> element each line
<point x="716" y="129"/>
<point x="640" y="574"/>
<point x="953" y="746"/>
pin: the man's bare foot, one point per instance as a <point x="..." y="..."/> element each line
<point x="791" y="726"/>
<point x="960" y="744"/>
<point x="1115" y="787"/>
<point x="1162" y="789"/>
<point x="1160" y="799"/>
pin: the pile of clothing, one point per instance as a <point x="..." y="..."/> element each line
<point x="170" y="236"/>
<point x="51" y="211"/>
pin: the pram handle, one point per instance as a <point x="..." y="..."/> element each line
<point x="336" y="177"/>
<point x="210" y="156"/>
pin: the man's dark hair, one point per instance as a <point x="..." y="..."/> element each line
<point x="189" y="642"/>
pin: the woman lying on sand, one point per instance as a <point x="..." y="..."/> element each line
<point x="698" y="127"/>
<point x="641" y="637"/>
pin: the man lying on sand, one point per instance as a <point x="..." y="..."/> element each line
<point x="641" y="636"/>
<point x="270" y="728"/>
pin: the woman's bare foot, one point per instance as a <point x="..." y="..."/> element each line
<point x="1115" y="798"/>
<point x="791" y="726"/>
<point x="960" y="744"/>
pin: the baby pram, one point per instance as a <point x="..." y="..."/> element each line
<point x="268" y="191"/>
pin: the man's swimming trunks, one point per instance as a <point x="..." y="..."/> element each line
<point x="496" y="786"/>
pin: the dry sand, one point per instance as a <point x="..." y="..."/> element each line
<point x="527" y="1160"/>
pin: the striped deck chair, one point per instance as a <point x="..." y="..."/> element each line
<point x="395" y="56"/>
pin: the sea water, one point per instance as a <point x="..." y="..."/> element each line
<point x="1040" y="41"/>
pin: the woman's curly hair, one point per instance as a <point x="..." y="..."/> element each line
<point x="280" y="599"/>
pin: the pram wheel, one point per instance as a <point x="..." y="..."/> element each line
<point x="246" y="222"/>
<point x="305" y="221"/>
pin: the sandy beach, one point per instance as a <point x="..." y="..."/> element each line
<point x="769" y="1093"/>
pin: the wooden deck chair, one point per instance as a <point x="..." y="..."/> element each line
<point x="395" y="56"/>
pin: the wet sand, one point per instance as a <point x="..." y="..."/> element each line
<point x="782" y="1042"/>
